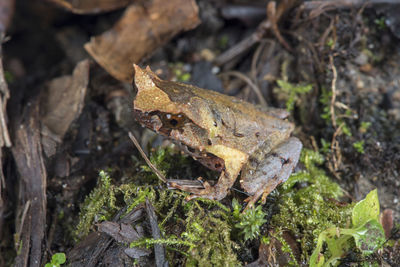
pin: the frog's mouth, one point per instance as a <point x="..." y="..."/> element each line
<point x="207" y="159"/>
<point x="164" y="124"/>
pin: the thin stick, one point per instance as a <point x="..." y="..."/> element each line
<point x="152" y="167"/>
<point x="333" y="98"/>
<point x="249" y="82"/>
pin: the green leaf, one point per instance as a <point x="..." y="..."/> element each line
<point x="368" y="237"/>
<point x="366" y="230"/>
<point x="317" y="259"/>
<point x="365" y="210"/>
<point x="58" y="259"/>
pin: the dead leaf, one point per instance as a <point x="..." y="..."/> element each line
<point x="121" y="232"/>
<point x="136" y="253"/>
<point x="140" y="31"/>
<point x="91" y="6"/>
<point x="386" y="220"/>
<point x="159" y="249"/>
<point x="61" y="104"/>
<point x="272" y="254"/>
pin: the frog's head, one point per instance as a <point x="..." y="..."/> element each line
<point x="167" y="108"/>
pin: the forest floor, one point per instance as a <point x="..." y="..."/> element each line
<point x="74" y="183"/>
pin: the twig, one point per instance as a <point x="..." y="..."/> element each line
<point x="152" y="167"/>
<point x="333" y="98"/>
<point x="4" y="96"/>
<point x="336" y="155"/>
<point x="236" y="50"/>
<point x="254" y="60"/>
<point x="19" y="231"/>
<point x="269" y="25"/>
<point x="249" y="82"/>
<point x="274" y="16"/>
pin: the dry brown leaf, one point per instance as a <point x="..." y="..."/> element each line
<point x="62" y="104"/>
<point x="140" y="31"/>
<point x="272" y="254"/>
<point x="386" y="220"/>
<point x="121" y="232"/>
<point x="92" y="6"/>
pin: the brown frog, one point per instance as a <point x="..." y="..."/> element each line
<point x="224" y="133"/>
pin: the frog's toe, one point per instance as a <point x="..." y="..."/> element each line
<point x="263" y="193"/>
<point x="251" y="200"/>
<point x="210" y="192"/>
<point x="207" y="191"/>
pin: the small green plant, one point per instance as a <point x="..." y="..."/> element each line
<point x="359" y="146"/>
<point x="345" y="128"/>
<point x="325" y="100"/>
<point x="366" y="231"/>
<point x="293" y="91"/>
<point x="180" y="73"/>
<point x="250" y="221"/>
<point x="9" y="77"/>
<point x="364" y="126"/>
<point x="325" y="146"/>
<point x="56" y="260"/>
<point x="330" y="43"/>
<point x="223" y="42"/>
<point x="380" y="22"/>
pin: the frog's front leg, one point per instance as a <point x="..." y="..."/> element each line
<point x="260" y="177"/>
<point x="216" y="192"/>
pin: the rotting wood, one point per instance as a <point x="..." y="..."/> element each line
<point x="27" y="152"/>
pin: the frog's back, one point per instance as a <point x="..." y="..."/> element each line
<point x="243" y="125"/>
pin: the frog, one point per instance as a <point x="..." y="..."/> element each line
<point x="224" y="133"/>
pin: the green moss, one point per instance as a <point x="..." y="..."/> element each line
<point x="248" y="222"/>
<point x="204" y="226"/>
<point x="210" y="231"/>
<point x="98" y="206"/>
<point x="307" y="205"/>
<point x="203" y="232"/>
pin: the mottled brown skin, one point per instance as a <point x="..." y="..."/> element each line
<point x="224" y="133"/>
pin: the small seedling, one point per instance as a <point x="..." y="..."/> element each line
<point x="364" y="126"/>
<point x="293" y="91"/>
<point x="56" y="260"/>
<point x="359" y="146"/>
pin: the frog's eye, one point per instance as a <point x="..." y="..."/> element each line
<point x="172" y="120"/>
